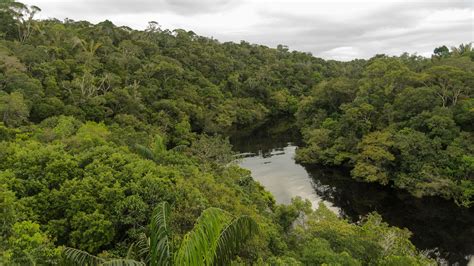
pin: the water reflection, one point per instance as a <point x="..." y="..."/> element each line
<point x="278" y="172"/>
<point x="438" y="225"/>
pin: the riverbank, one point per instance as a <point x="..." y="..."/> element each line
<point x="440" y="227"/>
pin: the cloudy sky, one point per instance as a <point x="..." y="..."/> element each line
<point x="332" y="29"/>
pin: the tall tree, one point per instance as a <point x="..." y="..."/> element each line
<point x="24" y="17"/>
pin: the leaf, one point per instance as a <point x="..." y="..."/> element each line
<point x="215" y="239"/>
<point x="144" y="152"/>
<point x="142" y="247"/>
<point x="122" y="262"/>
<point x="79" y="257"/>
<point x="233" y="237"/>
<point x="160" y="253"/>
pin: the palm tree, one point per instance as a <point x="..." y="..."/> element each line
<point x="215" y="239"/>
<point x="463" y="49"/>
<point x="155" y="151"/>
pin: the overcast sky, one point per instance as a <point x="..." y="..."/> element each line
<point x="331" y="29"/>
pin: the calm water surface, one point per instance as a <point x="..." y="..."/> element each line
<point x="441" y="228"/>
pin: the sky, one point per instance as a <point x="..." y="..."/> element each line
<point x="331" y="29"/>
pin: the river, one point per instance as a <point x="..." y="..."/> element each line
<point x="443" y="230"/>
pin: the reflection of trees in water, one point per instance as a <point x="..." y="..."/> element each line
<point x="265" y="138"/>
<point x="435" y="222"/>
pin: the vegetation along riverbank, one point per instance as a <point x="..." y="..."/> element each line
<point x="114" y="151"/>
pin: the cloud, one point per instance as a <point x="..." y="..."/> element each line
<point x="341" y="53"/>
<point x="393" y="28"/>
<point x="336" y="29"/>
<point x="121" y="7"/>
<point x="189" y="7"/>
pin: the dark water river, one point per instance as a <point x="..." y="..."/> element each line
<point x="443" y="230"/>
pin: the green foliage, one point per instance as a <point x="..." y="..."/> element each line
<point x="318" y="252"/>
<point x="325" y="238"/>
<point x="27" y="244"/>
<point x="91" y="231"/>
<point x="212" y="149"/>
<point x="78" y="257"/>
<point x="97" y="72"/>
<point x="374" y="157"/>
<point x="100" y="124"/>
<point x="9" y="213"/>
<point x="13" y="109"/>
<point x="286" y="215"/>
<point x="215" y="238"/>
<point x="160" y="246"/>
<point x="396" y="122"/>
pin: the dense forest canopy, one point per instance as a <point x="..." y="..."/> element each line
<point x="405" y="121"/>
<point x="100" y="124"/>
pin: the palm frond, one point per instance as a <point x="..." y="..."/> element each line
<point x="215" y="239"/>
<point x="142" y="248"/>
<point x="76" y="41"/>
<point x="122" y="262"/>
<point x="180" y="148"/>
<point x="158" y="146"/>
<point x="160" y="251"/>
<point x="199" y="245"/>
<point x="144" y="152"/>
<point x="79" y="257"/>
<point x="17" y="5"/>
<point x="233" y="237"/>
<point x="131" y="251"/>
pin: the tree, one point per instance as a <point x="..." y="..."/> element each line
<point x="29" y="245"/>
<point x="155" y="152"/>
<point x="331" y="94"/>
<point x="319" y="252"/>
<point x="449" y="82"/>
<point x="323" y="238"/>
<point x="9" y="213"/>
<point x="8" y="25"/>
<point x="89" y="50"/>
<point x="13" y="109"/>
<point x="212" y="149"/>
<point x="23" y="15"/>
<point x="462" y="50"/>
<point x="414" y="150"/>
<point x="441" y="51"/>
<point x="413" y="101"/>
<point x="374" y="157"/>
<point x="215" y="238"/>
<point x="91" y="231"/>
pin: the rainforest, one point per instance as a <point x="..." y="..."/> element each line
<point x="114" y="145"/>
